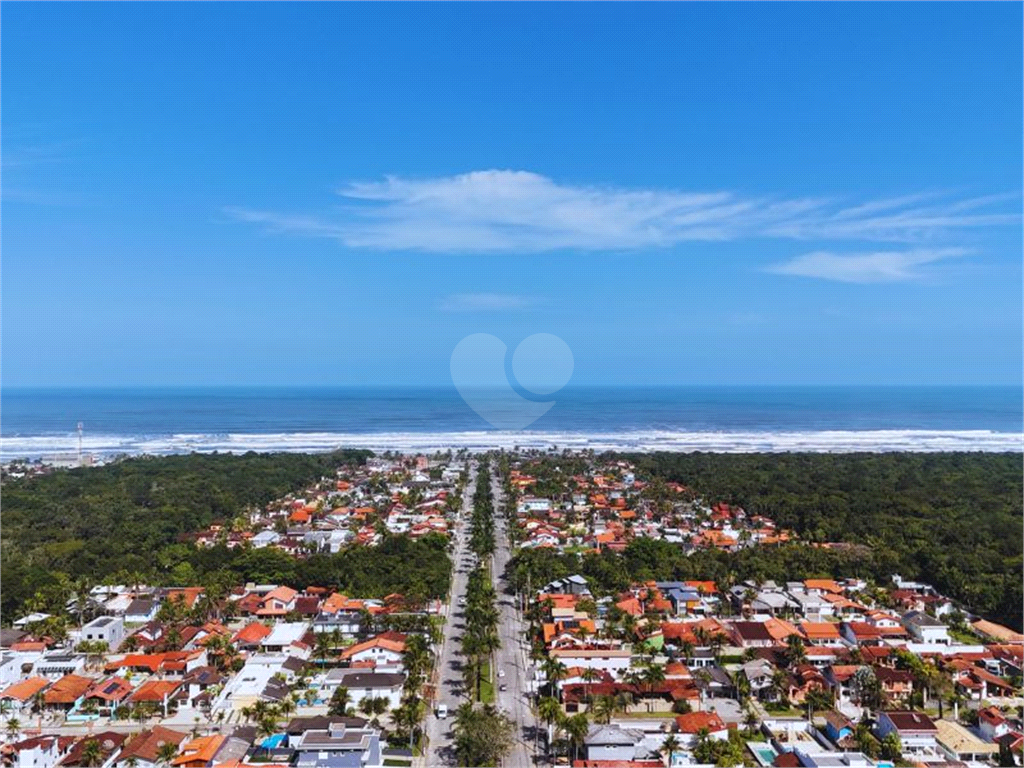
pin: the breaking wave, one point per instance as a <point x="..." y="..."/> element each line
<point x="837" y="441"/>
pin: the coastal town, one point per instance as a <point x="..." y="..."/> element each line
<point x="560" y="634"/>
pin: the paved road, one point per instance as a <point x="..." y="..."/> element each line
<point x="449" y="679"/>
<point x="513" y="656"/>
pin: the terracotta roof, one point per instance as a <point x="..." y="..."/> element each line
<point x="147" y="743"/>
<point x="23" y="690"/>
<point x="694" y="721"/>
<point x="252" y="633"/>
<point x="826" y="585"/>
<point x="68" y="689"/>
<point x="113" y="688"/>
<point x="997" y="631"/>
<point x="819" y="630"/>
<point x="155" y="690"/>
<point x="199" y="751"/>
<point x="397" y="646"/>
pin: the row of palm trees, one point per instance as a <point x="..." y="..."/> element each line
<point x="480" y="639"/>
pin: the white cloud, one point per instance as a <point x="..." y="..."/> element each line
<point x="484" y="302"/>
<point x="498" y="211"/>
<point x="879" y="267"/>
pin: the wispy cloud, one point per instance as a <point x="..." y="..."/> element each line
<point x="879" y="267"/>
<point x="484" y="302"/>
<point x="499" y="211"/>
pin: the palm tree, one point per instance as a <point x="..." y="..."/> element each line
<point x="590" y="676"/>
<point x="92" y="754"/>
<point x="652" y="676"/>
<point x="166" y="752"/>
<point x="670" y="746"/>
<point x="795" y="653"/>
<point x="576" y="729"/>
<point x="550" y="711"/>
<point x="554" y="671"/>
<point x="13" y="728"/>
<point x="340" y="702"/>
<point x="687" y="649"/>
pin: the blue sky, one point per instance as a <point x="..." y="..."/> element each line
<point x="327" y="194"/>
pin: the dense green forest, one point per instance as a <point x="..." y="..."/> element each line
<point x="954" y="520"/>
<point x="127" y="517"/>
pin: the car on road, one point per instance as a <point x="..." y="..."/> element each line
<point x="502" y="687"/>
<point x="442" y="711"/>
<point x="501" y="673"/>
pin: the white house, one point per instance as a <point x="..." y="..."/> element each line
<point x="614" y="660"/>
<point x="925" y="628"/>
<point x="360" y="685"/>
<point x="105" y="629"/>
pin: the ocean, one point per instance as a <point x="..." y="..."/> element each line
<point x="38" y="422"/>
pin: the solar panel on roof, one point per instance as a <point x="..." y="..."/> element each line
<point x="111" y="687"/>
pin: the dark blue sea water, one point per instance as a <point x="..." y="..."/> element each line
<point x="39" y="422"/>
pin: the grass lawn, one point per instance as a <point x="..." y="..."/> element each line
<point x="486" y="685"/>
<point x="967" y="638"/>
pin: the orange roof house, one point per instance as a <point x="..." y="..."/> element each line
<point x="780" y="629"/>
<point x="693" y="722"/>
<point x="199" y="753"/>
<point x="186" y="595"/>
<point x="252" y="633"/>
<point x="379" y="642"/>
<point x="823" y="585"/>
<point x="157" y="691"/>
<point x="112" y="690"/>
<point x="23" y="690"/>
<point x="277" y="602"/>
<point x="819" y="631"/>
<point x="68" y="690"/>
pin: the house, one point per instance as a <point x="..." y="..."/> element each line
<point x="897" y="684"/>
<point x="916" y="730"/>
<point x="104" y="629"/>
<point x="197" y="685"/>
<point x="925" y="628"/>
<point x="67" y="693"/>
<point x="339" y="745"/>
<point x="688" y="727"/>
<point x="20" y="695"/>
<point x="143" y="750"/>
<point x="383" y="650"/>
<point x="611" y="743"/>
<point x="38" y="752"/>
<point x="286" y="636"/>
<point x="839" y="729"/>
<point x="751" y="634"/>
<point x="109" y="694"/>
<point x="141" y="611"/>
<point x="821" y="633"/>
<point x="299" y="725"/>
<point x="278" y="602"/>
<point x="960" y="744"/>
<point x="199" y="753"/>
<point x="570" y="585"/>
<point x="361" y="684"/>
<point x="156" y="692"/>
<point x="759" y="673"/>
<point x="56" y="664"/>
<point x="110" y="743"/>
<point x="265" y="538"/>
<point x="250" y="636"/>
<point x="615" y="660"/>
<point x="992" y="724"/>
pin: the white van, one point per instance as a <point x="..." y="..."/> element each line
<point x="442" y="711"/>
